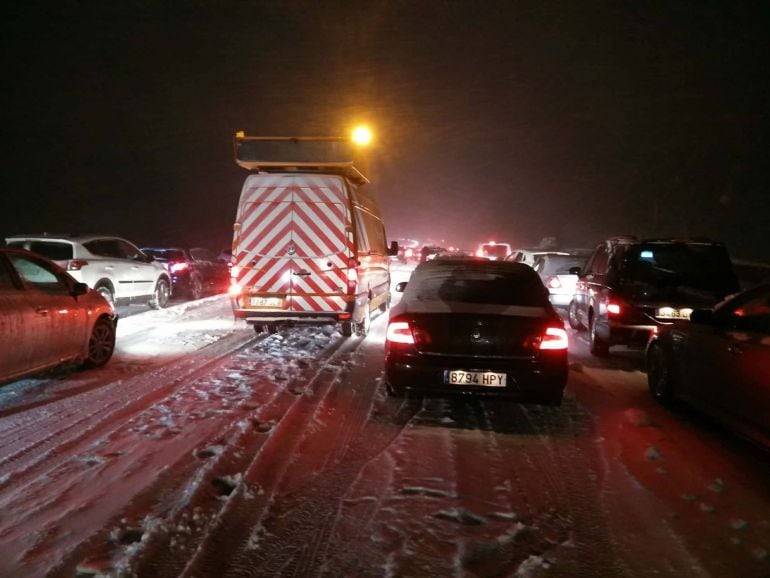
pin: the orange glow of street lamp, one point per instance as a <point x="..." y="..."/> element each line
<point x="362" y="135"/>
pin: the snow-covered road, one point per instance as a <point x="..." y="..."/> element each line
<point x="203" y="449"/>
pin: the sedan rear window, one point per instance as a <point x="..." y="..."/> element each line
<point x="478" y="285"/>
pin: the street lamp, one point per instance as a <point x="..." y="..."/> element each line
<point x="362" y="135"/>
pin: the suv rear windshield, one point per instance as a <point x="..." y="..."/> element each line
<point x="697" y="266"/>
<point x="55" y="251"/>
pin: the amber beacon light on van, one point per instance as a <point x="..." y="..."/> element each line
<point x="309" y="244"/>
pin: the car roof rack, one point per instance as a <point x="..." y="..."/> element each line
<point x="327" y="155"/>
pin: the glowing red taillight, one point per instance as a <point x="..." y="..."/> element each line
<point x="235" y="271"/>
<point x="613" y="309"/>
<point x="554" y="283"/>
<point x="352" y="280"/>
<point x="399" y="332"/>
<point x="176" y="267"/>
<point x="76" y="264"/>
<point x="554" y="338"/>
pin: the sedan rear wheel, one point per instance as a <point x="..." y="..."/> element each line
<point x="393" y="390"/>
<point x="101" y="344"/>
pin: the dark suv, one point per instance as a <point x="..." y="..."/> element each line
<point x="630" y="287"/>
<point x="193" y="271"/>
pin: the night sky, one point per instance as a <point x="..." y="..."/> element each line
<point x="506" y="120"/>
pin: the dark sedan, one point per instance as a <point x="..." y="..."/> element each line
<point x="478" y="327"/>
<point x="719" y="363"/>
<point x="194" y="272"/>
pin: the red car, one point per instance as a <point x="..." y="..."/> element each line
<point x="47" y="318"/>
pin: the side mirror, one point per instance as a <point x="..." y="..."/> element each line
<point x="575" y="271"/>
<point x="400" y="287"/>
<point x="79" y="289"/>
<point x="702" y="316"/>
<point x="393" y="251"/>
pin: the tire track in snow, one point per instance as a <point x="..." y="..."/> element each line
<point x="55" y="433"/>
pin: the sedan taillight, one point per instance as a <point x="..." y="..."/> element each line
<point x="399" y="332"/>
<point x="554" y="338"/>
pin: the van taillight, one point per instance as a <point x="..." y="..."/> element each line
<point x="399" y="332"/>
<point x="554" y="338"/>
<point x="235" y="271"/>
<point x="352" y="281"/>
<point x="76" y="264"/>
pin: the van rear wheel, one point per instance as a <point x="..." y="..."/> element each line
<point x="346" y="328"/>
<point x="362" y="328"/>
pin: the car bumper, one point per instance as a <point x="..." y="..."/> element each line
<point x="560" y="299"/>
<point x="527" y="380"/>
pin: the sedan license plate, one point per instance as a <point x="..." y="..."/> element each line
<point x="673" y="313"/>
<point x="266" y="301"/>
<point x="482" y="378"/>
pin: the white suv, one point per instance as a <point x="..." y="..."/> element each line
<point x="115" y="268"/>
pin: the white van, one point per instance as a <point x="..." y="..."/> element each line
<point x="309" y="243"/>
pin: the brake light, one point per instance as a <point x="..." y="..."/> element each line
<point x="554" y="338"/>
<point x="613" y="308"/>
<point x="399" y="332"/>
<point x="176" y="267"/>
<point x="234" y="289"/>
<point x="76" y="264"/>
<point x="235" y="271"/>
<point x="352" y="281"/>
<point x="554" y="283"/>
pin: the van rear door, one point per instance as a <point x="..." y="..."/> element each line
<point x="294" y="242"/>
<point x="322" y="241"/>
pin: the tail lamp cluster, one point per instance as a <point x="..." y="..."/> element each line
<point x="553" y="338"/>
<point x="76" y="264"/>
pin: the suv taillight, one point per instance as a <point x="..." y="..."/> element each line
<point x="76" y="264"/>
<point x="614" y="308"/>
<point x="554" y="283"/>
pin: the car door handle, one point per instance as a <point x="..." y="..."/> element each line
<point x="41" y="311"/>
<point x="735" y="349"/>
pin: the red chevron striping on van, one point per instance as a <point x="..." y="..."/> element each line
<point x="295" y="239"/>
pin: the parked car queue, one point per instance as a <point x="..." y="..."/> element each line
<point x="59" y="293"/>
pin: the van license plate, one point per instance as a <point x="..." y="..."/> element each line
<point x="266" y="302"/>
<point x="482" y="378"/>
